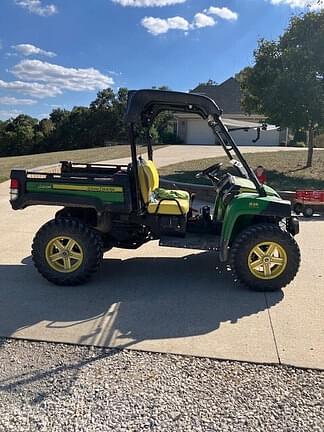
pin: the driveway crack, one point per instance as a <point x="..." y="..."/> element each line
<point x="272" y="329"/>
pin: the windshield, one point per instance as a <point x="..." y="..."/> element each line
<point x="239" y="166"/>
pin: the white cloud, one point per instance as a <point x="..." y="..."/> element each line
<point x="41" y="79"/>
<point x="60" y="76"/>
<point x="31" y="89"/>
<point x="42" y="116"/>
<point x="37" y="7"/>
<point x="148" y="3"/>
<point x="6" y="114"/>
<point x="28" y="50"/>
<point x="6" y="100"/>
<point x="158" y="26"/>
<point x="223" y="12"/>
<point x="202" y="20"/>
<point x="155" y="26"/>
<point x="301" y="4"/>
<point x="178" y="22"/>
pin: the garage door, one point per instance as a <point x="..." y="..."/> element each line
<point x="267" y="138"/>
<point x="198" y="132"/>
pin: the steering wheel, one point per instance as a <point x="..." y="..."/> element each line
<point x="210" y="172"/>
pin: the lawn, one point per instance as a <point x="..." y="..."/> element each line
<point x="85" y="155"/>
<point x="285" y="170"/>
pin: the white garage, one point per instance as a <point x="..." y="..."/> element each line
<point x="192" y="129"/>
<point x="198" y="132"/>
<point x="195" y="130"/>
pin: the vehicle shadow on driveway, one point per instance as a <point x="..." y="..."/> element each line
<point x="126" y="302"/>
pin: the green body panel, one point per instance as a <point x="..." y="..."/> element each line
<point x="107" y="194"/>
<point x="247" y="205"/>
<point x="246" y="186"/>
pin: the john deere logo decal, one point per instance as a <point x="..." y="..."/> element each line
<point x="87" y="188"/>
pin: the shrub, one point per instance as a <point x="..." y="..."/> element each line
<point x="170" y="138"/>
<point x="319" y="141"/>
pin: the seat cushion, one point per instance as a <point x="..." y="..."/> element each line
<point x="169" y="207"/>
<point x="171" y="193"/>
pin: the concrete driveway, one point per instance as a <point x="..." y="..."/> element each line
<point x="162" y="299"/>
<point x="179" y="153"/>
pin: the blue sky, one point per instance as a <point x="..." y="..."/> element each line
<point x="59" y="53"/>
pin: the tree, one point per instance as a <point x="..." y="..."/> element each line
<point x="286" y="83"/>
<point x="17" y="135"/>
<point x="82" y="127"/>
<point x="58" y="116"/>
<point x="104" y="100"/>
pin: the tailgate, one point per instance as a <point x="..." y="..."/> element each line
<point x="111" y="193"/>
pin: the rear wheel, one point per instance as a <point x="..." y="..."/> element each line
<point x="308" y="212"/>
<point x="265" y="258"/>
<point x="67" y="252"/>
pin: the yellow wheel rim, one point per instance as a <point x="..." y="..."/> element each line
<point x="267" y="260"/>
<point x="64" y="254"/>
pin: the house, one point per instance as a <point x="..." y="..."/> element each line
<point x="194" y="130"/>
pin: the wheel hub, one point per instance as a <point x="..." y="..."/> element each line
<point x="64" y="254"/>
<point x="267" y="260"/>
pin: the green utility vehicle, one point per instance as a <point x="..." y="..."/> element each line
<point x="104" y="206"/>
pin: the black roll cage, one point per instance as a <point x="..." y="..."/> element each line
<point x="144" y="105"/>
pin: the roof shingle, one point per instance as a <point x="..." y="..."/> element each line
<point x="227" y="95"/>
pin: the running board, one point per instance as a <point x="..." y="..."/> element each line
<point x="192" y="241"/>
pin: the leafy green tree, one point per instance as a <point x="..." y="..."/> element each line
<point x="104" y="100"/>
<point x="286" y="84"/>
<point x="17" y="135"/>
<point x="46" y="127"/>
<point x="82" y="127"/>
<point x="58" y="116"/>
<point x="210" y="82"/>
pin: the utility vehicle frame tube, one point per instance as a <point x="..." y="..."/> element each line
<point x="233" y="146"/>
<point x="132" y="136"/>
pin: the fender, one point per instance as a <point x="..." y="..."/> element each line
<point x="249" y="205"/>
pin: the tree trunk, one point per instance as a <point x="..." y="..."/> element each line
<point x="310" y="145"/>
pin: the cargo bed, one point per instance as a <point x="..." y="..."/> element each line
<point x="99" y="186"/>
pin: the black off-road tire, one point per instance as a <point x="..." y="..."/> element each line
<point x="89" y="240"/>
<point x="298" y="208"/>
<point x="308" y="212"/>
<point x="247" y="240"/>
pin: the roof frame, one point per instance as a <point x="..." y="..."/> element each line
<point x="144" y="105"/>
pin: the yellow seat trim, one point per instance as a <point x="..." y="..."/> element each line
<point x="146" y="192"/>
<point x="149" y="182"/>
<point x="169" y="207"/>
<point x="152" y="174"/>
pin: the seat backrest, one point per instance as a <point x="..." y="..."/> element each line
<point x="148" y="179"/>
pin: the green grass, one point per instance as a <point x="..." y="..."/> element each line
<point x="84" y="155"/>
<point x="285" y="170"/>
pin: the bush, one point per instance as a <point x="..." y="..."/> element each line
<point x="319" y="141"/>
<point x="300" y="136"/>
<point x="170" y="138"/>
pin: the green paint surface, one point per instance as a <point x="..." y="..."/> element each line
<point x="245" y="204"/>
<point x="104" y="196"/>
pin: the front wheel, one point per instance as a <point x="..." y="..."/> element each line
<point x="66" y="251"/>
<point x="265" y="258"/>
